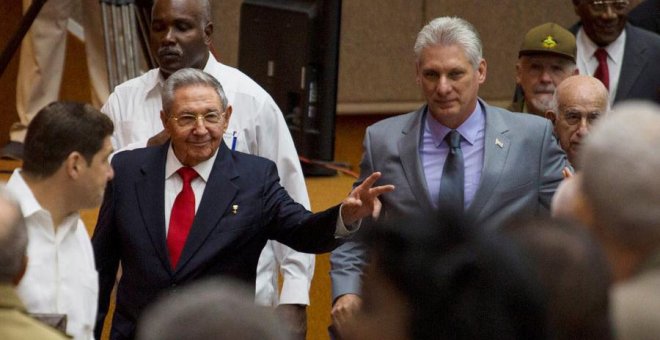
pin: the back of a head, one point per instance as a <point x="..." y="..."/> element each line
<point x="211" y="309"/>
<point x="574" y="274"/>
<point x="13" y="238"/>
<point x="59" y="129"/>
<point x="447" y="31"/>
<point x="621" y="163"/>
<point x="459" y="285"/>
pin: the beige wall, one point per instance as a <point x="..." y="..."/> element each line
<point x="376" y="69"/>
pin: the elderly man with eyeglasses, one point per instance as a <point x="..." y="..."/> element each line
<point x="576" y="104"/>
<point x="624" y="57"/>
<point x="192" y="208"/>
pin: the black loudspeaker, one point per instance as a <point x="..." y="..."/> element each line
<point x="291" y="48"/>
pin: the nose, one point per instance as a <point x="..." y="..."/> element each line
<point x="609" y="12"/>
<point x="583" y="128"/>
<point x="443" y="87"/>
<point x="200" y="126"/>
<point x="168" y="37"/>
<point x="545" y="76"/>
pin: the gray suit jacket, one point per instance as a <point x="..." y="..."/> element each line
<point x="521" y="171"/>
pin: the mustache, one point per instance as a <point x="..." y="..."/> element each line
<point x="169" y="50"/>
<point x="541" y="88"/>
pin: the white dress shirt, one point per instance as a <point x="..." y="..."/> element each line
<point x="587" y="62"/>
<point x="260" y="129"/>
<point x="61" y="276"/>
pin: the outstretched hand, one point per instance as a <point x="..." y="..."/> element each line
<point x="363" y="200"/>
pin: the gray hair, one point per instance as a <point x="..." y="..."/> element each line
<point x="211" y="309"/>
<point x="13" y="237"/>
<point x="621" y="163"/>
<point x="446" y="31"/>
<point x="189" y="77"/>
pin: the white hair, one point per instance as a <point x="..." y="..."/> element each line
<point x="447" y="31"/>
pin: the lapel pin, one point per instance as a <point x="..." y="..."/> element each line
<point x="499" y="143"/>
<point x="234" y="209"/>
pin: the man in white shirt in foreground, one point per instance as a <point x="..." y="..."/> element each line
<point x="65" y="169"/>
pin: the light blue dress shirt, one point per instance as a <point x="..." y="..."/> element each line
<point x="433" y="152"/>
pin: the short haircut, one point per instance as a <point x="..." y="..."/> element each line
<point x="13" y="237"/>
<point x="447" y="31"/>
<point x="190" y="77"/>
<point x="205" y="13"/>
<point x="459" y="285"/>
<point x="59" y="129"/>
<point x="574" y="272"/>
<point x="210" y="309"/>
<point x="621" y="163"/>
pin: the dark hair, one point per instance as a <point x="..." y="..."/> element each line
<point x="59" y="129"/>
<point x="460" y="284"/>
<point x="574" y="273"/>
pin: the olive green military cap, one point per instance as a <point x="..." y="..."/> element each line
<point x="549" y="38"/>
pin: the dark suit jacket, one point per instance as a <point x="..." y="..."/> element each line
<point x="131" y="229"/>
<point x="518" y="179"/>
<point x="640" y="71"/>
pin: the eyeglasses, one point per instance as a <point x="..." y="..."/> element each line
<point x="190" y="119"/>
<point x="574" y="117"/>
<point x="600" y="6"/>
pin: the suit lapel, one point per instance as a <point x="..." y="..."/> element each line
<point x="148" y="189"/>
<point x="496" y="150"/>
<point x="634" y="60"/>
<point x="218" y="195"/>
<point x="410" y="160"/>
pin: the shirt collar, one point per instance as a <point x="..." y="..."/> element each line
<point x="30" y="206"/>
<point x="203" y="169"/>
<point x="468" y="130"/>
<point x="588" y="47"/>
<point x="156" y="84"/>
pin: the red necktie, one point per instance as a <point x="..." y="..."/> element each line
<point x="183" y="214"/>
<point x="602" y="72"/>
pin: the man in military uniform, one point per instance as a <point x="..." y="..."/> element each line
<point x="546" y="57"/>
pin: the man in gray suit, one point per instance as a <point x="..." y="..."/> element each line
<point x="508" y="165"/>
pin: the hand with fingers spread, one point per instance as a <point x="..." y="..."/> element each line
<point x="363" y="200"/>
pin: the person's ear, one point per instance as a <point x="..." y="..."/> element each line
<point x="551" y="116"/>
<point x="164" y="117"/>
<point x="227" y="114"/>
<point x="208" y="31"/>
<point x="73" y="164"/>
<point x="483" y="67"/>
<point x="17" y="279"/>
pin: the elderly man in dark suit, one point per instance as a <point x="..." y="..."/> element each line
<point x="624" y="57"/>
<point x="192" y="208"/>
<point x="455" y="154"/>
